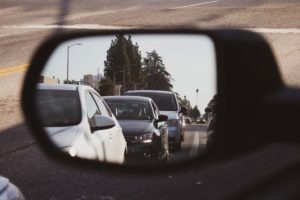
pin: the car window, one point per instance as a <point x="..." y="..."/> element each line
<point x="165" y="102"/>
<point x="58" y="108"/>
<point x="104" y="110"/>
<point x="130" y="109"/>
<point x="91" y="107"/>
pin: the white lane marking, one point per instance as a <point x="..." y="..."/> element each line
<point x="192" y="5"/>
<point x="75" y="26"/>
<point x="274" y="30"/>
<point x="196" y="143"/>
<point x="101" y="27"/>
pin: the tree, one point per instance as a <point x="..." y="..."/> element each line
<point x="155" y="74"/>
<point x="107" y="87"/>
<point x="210" y="110"/>
<point x="124" y="59"/>
<point x="184" y="102"/>
<point x="211" y="106"/>
<point x="195" y="112"/>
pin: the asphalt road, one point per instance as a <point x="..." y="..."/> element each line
<point x="24" y="24"/>
<point x="194" y="143"/>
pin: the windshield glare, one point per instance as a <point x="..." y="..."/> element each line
<point x="130" y="109"/>
<point x="58" y="108"/>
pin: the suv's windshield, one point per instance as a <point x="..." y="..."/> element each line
<point x="164" y="102"/>
<point x="130" y="109"/>
<point x="58" y="108"/>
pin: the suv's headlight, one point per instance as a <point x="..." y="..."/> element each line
<point x="71" y="151"/>
<point x="145" y="138"/>
<point x="172" y="122"/>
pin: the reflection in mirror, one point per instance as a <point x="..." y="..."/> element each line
<point x="130" y="99"/>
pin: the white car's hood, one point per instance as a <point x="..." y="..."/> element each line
<point x="170" y="114"/>
<point x="62" y="136"/>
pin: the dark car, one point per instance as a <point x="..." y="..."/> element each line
<point x="144" y="129"/>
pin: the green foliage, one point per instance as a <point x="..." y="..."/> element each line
<point x="106" y="87"/>
<point x="122" y="56"/>
<point x="211" y="106"/>
<point x="195" y="112"/>
<point x="124" y="62"/>
<point x="210" y="110"/>
<point x="184" y="102"/>
<point x="155" y="73"/>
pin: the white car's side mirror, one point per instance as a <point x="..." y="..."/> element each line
<point x="101" y="122"/>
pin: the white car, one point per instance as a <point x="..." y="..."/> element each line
<point x="80" y="123"/>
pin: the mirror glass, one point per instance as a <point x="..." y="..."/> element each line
<point x="130" y="99"/>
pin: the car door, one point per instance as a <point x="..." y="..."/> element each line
<point x="156" y="114"/>
<point x="116" y="138"/>
<point x="101" y="138"/>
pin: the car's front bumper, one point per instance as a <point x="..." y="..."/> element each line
<point x="138" y="148"/>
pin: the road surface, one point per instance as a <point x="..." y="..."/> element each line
<point x="194" y="143"/>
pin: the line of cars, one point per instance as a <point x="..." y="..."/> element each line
<point x="143" y="123"/>
<point x="144" y="128"/>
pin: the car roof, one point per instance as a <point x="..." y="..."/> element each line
<point x="133" y="98"/>
<point x="150" y="91"/>
<point x="44" y="86"/>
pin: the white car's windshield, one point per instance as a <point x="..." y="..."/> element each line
<point x="58" y="108"/>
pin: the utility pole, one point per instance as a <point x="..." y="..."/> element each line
<point x="68" y="54"/>
<point x="124" y="80"/>
<point x="197" y="91"/>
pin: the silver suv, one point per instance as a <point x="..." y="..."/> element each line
<point x="168" y="105"/>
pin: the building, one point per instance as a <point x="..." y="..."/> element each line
<point x="117" y="91"/>
<point x="48" y="80"/>
<point x="92" y="80"/>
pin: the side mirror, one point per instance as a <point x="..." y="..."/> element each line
<point x="162" y="118"/>
<point x="216" y="62"/>
<point x="100" y="122"/>
<point x="183" y="110"/>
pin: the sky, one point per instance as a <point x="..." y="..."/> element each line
<point x="190" y="59"/>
